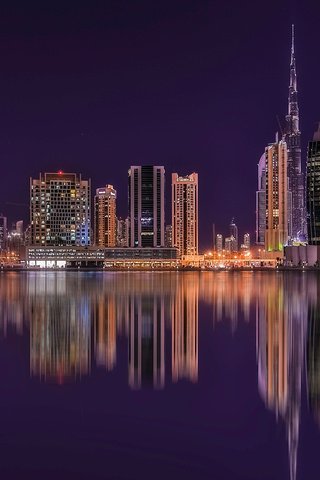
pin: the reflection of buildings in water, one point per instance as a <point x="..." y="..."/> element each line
<point x="60" y="329"/>
<point x="105" y="331"/>
<point x="280" y="343"/>
<point x="13" y="303"/>
<point x="229" y="293"/>
<point x="185" y="330"/>
<point x="313" y="358"/>
<point x="146" y="341"/>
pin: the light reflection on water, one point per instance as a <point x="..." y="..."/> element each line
<point x="77" y="319"/>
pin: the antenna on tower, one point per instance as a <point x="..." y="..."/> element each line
<point x="292" y="38"/>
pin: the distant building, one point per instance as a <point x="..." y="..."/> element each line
<point x="246" y="241"/>
<point x="219" y="243"/>
<point x="276" y="235"/>
<point x="60" y="210"/>
<point x="168" y="237"/>
<point x="313" y="190"/>
<point x="3" y="232"/>
<point x="228" y="244"/>
<point x="261" y="202"/>
<point x="105" y="216"/>
<point x="234" y="235"/>
<point x="122" y="232"/>
<point x="185" y="213"/>
<point x="146" y="206"/>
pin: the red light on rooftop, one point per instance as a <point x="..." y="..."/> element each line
<point x="60" y="172"/>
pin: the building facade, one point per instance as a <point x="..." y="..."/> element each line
<point x="60" y="210"/>
<point x="261" y="202"/>
<point x="105" y="220"/>
<point x="233" y="229"/>
<point x="292" y="137"/>
<point x="3" y="232"/>
<point x="276" y="233"/>
<point x="185" y="213"/>
<point x="146" y="206"/>
<point x="313" y="190"/>
<point x="219" y="243"/>
<point x="122" y="232"/>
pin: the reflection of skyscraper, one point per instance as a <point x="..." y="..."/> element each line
<point x="280" y="336"/>
<point x="146" y="206"/>
<point x="146" y="341"/>
<point x="313" y="189"/>
<point x="185" y="330"/>
<point x="60" y="330"/>
<point x="313" y="356"/>
<point x="105" y="331"/>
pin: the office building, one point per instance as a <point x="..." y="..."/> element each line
<point x="233" y="229"/>
<point x="261" y="202"/>
<point x="168" y="238"/>
<point x="60" y="210"/>
<point x="219" y="243"/>
<point x="313" y="190"/>
<point x="122" y="232"/>
<point x="246" y="241"/>
<point x="146" y="206"/>
<point x="105" y="216"/>
<point x="185" y="213"/>
<point x="276" y="234"/>
<point x="3" y="232"/>
<point x="296" y="218"/>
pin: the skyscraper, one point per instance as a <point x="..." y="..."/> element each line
<point x="233" y="229"/>
<point x="3" y="232"/>
<point x="219" y="243"/>
<point x="313" y="189"/>
<point x="122" y="232"/>
<point x="105" y="216"/>
<point x="146" y="206"/>
<point x="276" y="234"/>
<point x="261" y="201"/>
<point x="292" y="138"/>
<point x="246" y="240"/>
<point x="60" y="209"/>
<point x="185" y="213"/>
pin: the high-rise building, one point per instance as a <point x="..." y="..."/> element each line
<point x="122" y="232"/>
<point x="246" y="241"/>
<point x="168" y="238"/>
<point x="313" y="190"/>
<point x="146" y="206"/>
<point x="60" y="209"/>
<point x="3" y="232"/>
<point x="105" y="216"/>
<point x="185" y="213"/>
<point x="233" y="229"/>
<point x="261" y="202"/>
<point x="276" y="234"/>
<point x="219" y="243"/>
<point x="292" y="138"/>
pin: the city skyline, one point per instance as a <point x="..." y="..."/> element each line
<point x="90" y="143"/>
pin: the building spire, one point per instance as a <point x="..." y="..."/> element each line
<point x="292" y="42"/>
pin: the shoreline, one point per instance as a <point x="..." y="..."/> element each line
<point x="175" y="270"/>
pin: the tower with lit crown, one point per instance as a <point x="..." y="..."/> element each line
<point x="292" y="137"/>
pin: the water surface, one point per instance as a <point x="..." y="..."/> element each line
<point x="160" y="375"/>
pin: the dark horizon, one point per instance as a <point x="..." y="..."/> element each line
<point x="193" y="86"/>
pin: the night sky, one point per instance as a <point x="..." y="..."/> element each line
<point x="95" y="87"/>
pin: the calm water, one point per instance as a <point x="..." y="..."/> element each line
<point x="160" y="376"/>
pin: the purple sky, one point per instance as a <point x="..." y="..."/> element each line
<point x="191" y="85"/>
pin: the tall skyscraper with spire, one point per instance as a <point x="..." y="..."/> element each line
<point x="292" y="137"/>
